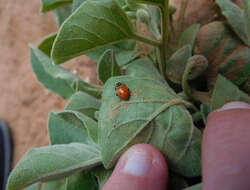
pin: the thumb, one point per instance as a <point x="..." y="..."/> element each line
<point x="226" y="148"/>
<point x="140" y="167"/>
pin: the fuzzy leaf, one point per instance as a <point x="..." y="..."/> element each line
<point x="102" y="175"/>
<point x="42" y="65"/>
<point x="235" y="18"/>
<point x="199" y="63"/>
<point x="76" y="4"/>
<point x="36" y="186"/>
<point x="225" y="52"/>
<point x="124" y="52"/>
<point x="246" y="6"/>
<point x="194" y="187"/>
<point x="61" y="14"/>
<point x="57" y="79"/>
<point x="65" y="127"/>
<point x="78" y="181"/>
<point x="48" y="5"/>
<point x="104" y="23"/>
<point x="57" y="184"/>
<point x="237" y="66"/>
<point x="122" y="57"/>
<point x="176" y="64"/>
<point x="148" y="117"/>
<point x="81" y="181"/>
<point x="90" y="125"/>
<point x="68" y="126"/>
<point x="205" y="110"/>
<point x="46" y="44"/>
<point x="143" y="67"/>
<point x="84" y="103"/>
<point x="153" y="2"/>
<point x="107" y="66"/>
<point x="189" y="35"/>
<point x="52" y="162"/>
<point x="225" y="91"/>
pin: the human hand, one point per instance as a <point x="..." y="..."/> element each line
<point x="225" y="156"/>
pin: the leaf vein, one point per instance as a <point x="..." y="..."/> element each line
<point x="92" y="33"/>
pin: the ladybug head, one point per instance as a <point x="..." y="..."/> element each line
<point x="118" y="84"/>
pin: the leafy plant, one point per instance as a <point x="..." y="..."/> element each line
<point x="173" y="87"/>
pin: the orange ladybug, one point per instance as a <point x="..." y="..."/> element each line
<point x="122" y="91"/>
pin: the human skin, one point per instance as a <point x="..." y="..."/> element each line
<point x="225" y="156"/>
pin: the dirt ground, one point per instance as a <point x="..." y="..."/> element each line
<point x="24" y="103"/>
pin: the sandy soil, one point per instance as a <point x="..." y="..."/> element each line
<point x="24" y="103"/>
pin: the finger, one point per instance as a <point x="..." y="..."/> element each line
<point x="141" y="167"/>
<point x="226" y="148"/>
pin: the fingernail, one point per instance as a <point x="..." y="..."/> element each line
<point x="137" y="163"/>
<point x="234" y="105"/>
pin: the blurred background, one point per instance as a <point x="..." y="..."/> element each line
<point x="24" y="103"/>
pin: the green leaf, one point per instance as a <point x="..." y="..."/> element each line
<point x="90" y="125"/>
<point x="76" y="4"/>
<point x="176" y="64"/>
<point x="225" y="91"/>
<point x="241" y="59"/>
<point x="46" y="44"/>
<point x="124" y="52"/>
<point x="205" y="110"/>
<point x="198" y="64"/>
<point x="68" y="126"/>
<point x="78" y="181"/>
<point x="188" y="36"/>
<point x="81" y="181"/>
<point x="48" y="5"/>
<point x="61" y="14"/>
<point x="225" y="52"/>
<point x="153" y="2"/>
<point x="194" y="187"/>
<point x="102" y="175"/>
<point x="84" y="103"/>
<point x="37" y="186"/>
<point x="246" y="6"/>
<point x="235" y="18"/>
<point x="57" y="79"/>
<point x="154" y="21"/>
<point x="104" y="23"/>
<point x="52" y="185"/>
<point x="43" y="68"/>
<point x="65" y="127"/>
<point x="149" y="116"/>
<point x="107" y="66"/>
<point x="143" y="67"/>
<point x="52" y="162"/>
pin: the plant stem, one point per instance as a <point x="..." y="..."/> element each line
<point x="147" y="40"/>
<point x="163" y="46"/>
<point x="185" y="86"/>
<point x="172" y="27"/>
<point x="181" y="18"/>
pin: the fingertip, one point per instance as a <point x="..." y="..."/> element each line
<point x="234" y="105"/>
<point x="226" y="148"/>
<point x="140" y="167"/>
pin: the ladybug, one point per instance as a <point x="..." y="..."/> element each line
<point x="122" y="91"/>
